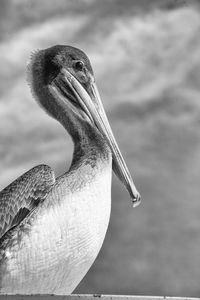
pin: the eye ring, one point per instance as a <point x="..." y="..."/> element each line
<point x="79" y="65"/>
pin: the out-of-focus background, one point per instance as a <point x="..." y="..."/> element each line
<point x="146" y="57"/>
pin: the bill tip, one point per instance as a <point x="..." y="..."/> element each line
<point x="136" y="200"/>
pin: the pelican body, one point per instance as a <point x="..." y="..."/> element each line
<point x="51" y="229"/>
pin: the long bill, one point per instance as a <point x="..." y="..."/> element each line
<point x="92" y="105"/>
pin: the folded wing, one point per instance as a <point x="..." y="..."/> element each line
<point x="19" y="198"/>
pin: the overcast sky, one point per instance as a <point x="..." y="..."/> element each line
<point x="146" y="61"/>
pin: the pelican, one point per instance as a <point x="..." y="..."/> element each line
<point x="51" y="229"/>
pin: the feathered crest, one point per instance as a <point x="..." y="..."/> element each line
<point x="29" y="75"/>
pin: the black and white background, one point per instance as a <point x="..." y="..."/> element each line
<point x="146" y="58"/>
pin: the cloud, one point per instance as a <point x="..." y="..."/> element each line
<point x="147" y="69"/>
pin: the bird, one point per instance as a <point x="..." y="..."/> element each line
<point x="52" y="229"/>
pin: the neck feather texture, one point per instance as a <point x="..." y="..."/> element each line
<point x="89" y="144"/>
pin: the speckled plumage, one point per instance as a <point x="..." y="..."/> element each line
<point x="26" y="192"/>
<point x="51" y="230"/>
<point x="53" y="248"/>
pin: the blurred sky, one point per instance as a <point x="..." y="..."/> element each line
<point x="145" y="55"/>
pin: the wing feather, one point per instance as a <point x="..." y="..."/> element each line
<point x="19" y="198"/>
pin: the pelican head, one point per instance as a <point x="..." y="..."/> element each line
<point x="62" y="76"/>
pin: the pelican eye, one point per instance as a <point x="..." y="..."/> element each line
<point x="79" y="65"/>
